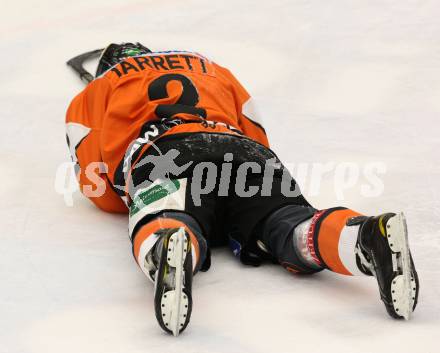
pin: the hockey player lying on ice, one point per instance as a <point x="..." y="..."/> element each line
<point x="176" y="144"/>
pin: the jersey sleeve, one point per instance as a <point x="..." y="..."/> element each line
<point x="84" y="121"/>
<point x="249" y="118"/>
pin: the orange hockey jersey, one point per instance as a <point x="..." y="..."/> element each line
<point x="108" y="115"/>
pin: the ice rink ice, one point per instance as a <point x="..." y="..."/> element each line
<point x="337" y="81"/>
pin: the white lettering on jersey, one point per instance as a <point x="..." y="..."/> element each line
<point x="137" y="144"/>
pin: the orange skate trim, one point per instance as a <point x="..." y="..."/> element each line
<point x="150" y="228"/>
<point x="328" y="239"/>
<point x="290" y="267"/>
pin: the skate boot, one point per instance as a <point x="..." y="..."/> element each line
<point x="170" y="266"/>
<point x="382" y="251"/>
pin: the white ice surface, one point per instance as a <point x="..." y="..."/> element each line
<point x="337" y="81"/>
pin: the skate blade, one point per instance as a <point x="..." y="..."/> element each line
<point x="175" y="303"/>
<point x="403" y="285"/>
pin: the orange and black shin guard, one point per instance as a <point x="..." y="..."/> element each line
<point x="333" y="242"/>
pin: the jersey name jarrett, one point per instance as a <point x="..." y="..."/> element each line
<point x="165" y="62"/>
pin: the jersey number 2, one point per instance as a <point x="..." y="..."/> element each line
<point x="185" y="104"/>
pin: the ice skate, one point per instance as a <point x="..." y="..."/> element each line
<point x="382" y="250"/>
<point x="173" y="280"/>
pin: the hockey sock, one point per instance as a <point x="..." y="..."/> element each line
<point x="331" y="243"/>
<point x="149" y="234"/>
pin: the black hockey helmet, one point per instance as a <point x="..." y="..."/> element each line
<point x="115" y="53"/>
